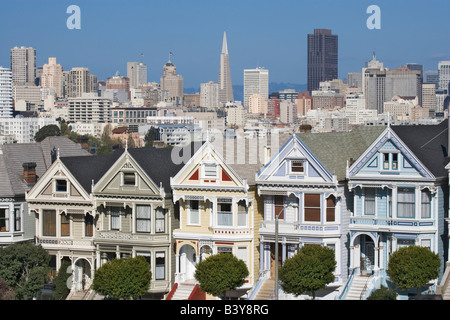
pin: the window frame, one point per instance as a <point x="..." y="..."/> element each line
<point x="5" y="218"/>
<point x="57" y="186"/>
<point x="64" y="225"/>
<point x="224" y="215"/>
<point x="49" y="227"/>
<point x="314" y="208"/>
<point x="294" y="161"/>
<point x="143" y="219"/>
<point x="190" y="210"/>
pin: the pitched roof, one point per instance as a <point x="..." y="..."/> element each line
<point x="429" y="143"/>
<point x="334" y="149"/>
<point x="14" y="155"/>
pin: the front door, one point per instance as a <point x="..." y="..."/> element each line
<point x="273" y="260"/>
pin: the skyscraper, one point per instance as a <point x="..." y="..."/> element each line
<point x="255" y="81"/>
<point x="52" y="76"/>
<point x="225" y="86"/>
<point x="322" y="57"/>
<point x="137" y="73"/>
<point x="444" y="75"/>
<point x="78" y="81"/>
<point x="6" y="94"/>
<point x="172" y="83"/>
<point x="23" y="65"/>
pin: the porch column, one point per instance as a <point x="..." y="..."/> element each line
<point x="352" y="259"/>
<point x="376" y="252"/>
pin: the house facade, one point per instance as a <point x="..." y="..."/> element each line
<point x="218" y="210"/>
<point x="304" y="188"/>
<point x="400" y="196"/>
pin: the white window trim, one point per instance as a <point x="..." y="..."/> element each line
<point x="188" y="207"/>
<point x="203" y="171"/>
<point x="305" y="166"/>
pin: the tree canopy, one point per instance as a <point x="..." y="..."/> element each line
<point x="123" y="279"/>
<point x="309" y="270"/>
<point x="413" y="267"/>
<point x="47" y="131"/>
<point x="220" y="272"/>
<point x="24" y="267"/>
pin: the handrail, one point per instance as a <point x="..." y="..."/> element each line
<point x="257" y="286"/>
<point x="171" y="292"/>
<point x="347" y="285"/>
<point x="363" y="292"/>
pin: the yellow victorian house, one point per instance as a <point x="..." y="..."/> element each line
<point x="218" y="213"/>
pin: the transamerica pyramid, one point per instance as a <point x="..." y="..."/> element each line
<point x="225" y="86"/>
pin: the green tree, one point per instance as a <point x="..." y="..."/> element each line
<point x="24" y="266"/>
<point x="60" y="290"/>
<point x="383" y="293"/>
<point x="413" y="267"/>
<point x="6" y="293"/>
<point x="221" y="272"/>
<point x="123" y="279"/>
<point x="309" y="270"/>
<point x="47" y="131"/>
<point x="150" y="137"/>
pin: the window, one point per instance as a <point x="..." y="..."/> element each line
<point x="61" y="185"/>
<point x="115" y="218"/>
<point x="129" y="179"/>
<point x="143" y="222"/>
<point x="210" y="170"/>
<point x="17" y="221"/>
<point x="242" y="214"/>
<point x="312" y="207"/>
<point x="194" y="212"/>
<point x="160" y="266"/>
<point x="425" y="204"/>
<point x="297" y="166"/>
<point x="331" y="204"/>
<point x="160" y="221"/>
<point x="369" y="201"/>
<point x="242" y="254"/>
<point x="224" y="212"/>
<point x="49" y="223"/>
<point x="394" y="161"/>
<point x="89" y="225"/>
<point x="146" y="255"/>
<point x="405" y="203"/>
<point x="4" y="220"/>
<point x="65" y="225"/>
<point x="279" y="206"/>
<point x="386" y="161"/>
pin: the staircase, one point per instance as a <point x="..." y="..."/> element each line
<point x="183" y="291"/>
<point x="266" y="291"/>
<point x="77" y="295"/>
<point x="357" y="287"/>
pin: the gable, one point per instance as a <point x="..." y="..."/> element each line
<point x="388" y="156"/>
<point x="207" y="168"/>
<point x="58" y="183"/>
<point x="126" y="177"/>
<point x="294" y="163"/>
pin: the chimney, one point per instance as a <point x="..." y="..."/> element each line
<point x="29" y="172"/>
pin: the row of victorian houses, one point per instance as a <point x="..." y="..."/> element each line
<point x="364" y="193"/>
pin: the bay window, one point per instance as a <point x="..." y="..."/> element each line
<point x="224" y="212"/>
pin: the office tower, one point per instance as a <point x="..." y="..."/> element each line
<point x="137" y="73"/>
<point x="23" y="65"/>
<point x="431" y="76"/>
<point x="172" y="83"/>
<point x="79" y="81"/>
<point x="209" y="95"/>
<point x="89" y="108"/>
<point x="418" y="67"/>
<point x="322" y="57"/>
<point x="354" y="80"/>
<point x="255" y="81"/>
<point x="225" y="86"/>
<point x="6" y="93"/>
<point x="257" y="104"/>
<point x="119" y="83"/>
<point x="52" y="76"/>
<point x="444" y="75"/>
<point x="429" y="95"/>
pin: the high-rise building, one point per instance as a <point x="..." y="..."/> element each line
<point x="444" y="75"/>
<point x="381" y="84"/>
<point x="6" y="93"/>
<point x="322" y="57"/>
<point x="225" y="85"/>
<point x="257" y="104"/>
<point x="429" y="95"/>
<point x="209" y="95"/>
<point x="89" y="108"/>
<point x="23" y="65"/>
<point x="255" y="81"/>
<point x="172" y="83"/>
<point x="52" y="77"/>
<point x="119" y="83"/>
<point x="78" y="81"/>
<point x="137" y="73"/>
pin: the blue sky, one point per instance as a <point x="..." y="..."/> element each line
<point x="266" y="33"/>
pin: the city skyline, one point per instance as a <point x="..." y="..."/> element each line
<point x="263" y="33"/>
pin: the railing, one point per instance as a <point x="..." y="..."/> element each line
<point x="347" y="285"/>
<point x="368" y="221"/>
<point x="66" y="242"/>
<point x="255" y="290"/>
<point x="445" y="282"/>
